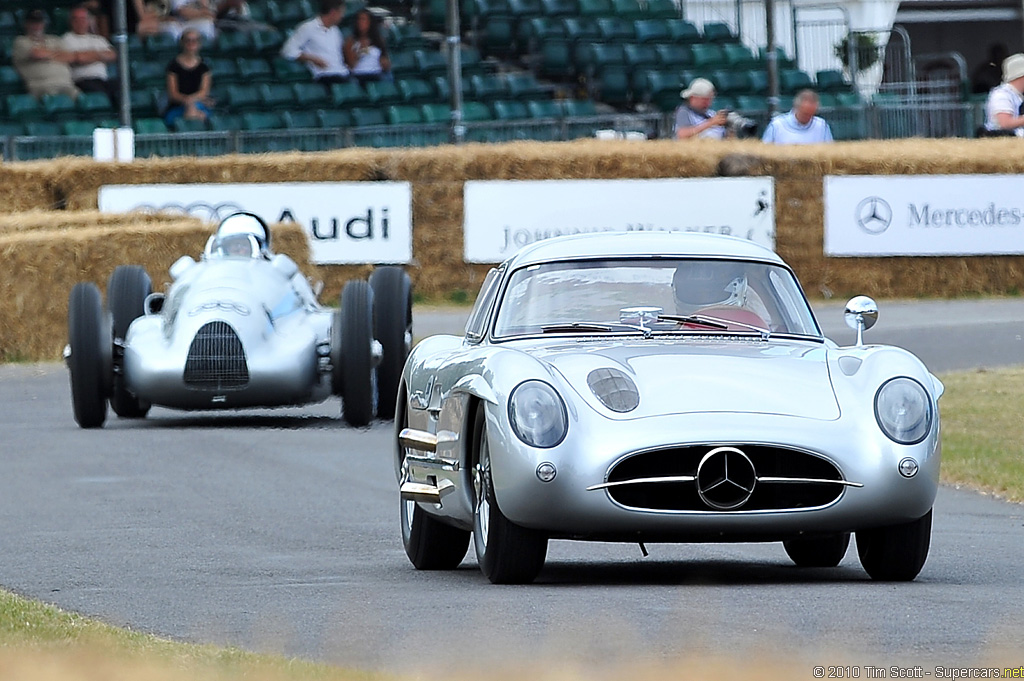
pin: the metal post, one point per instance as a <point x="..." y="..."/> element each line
<point x="458" y="131"/>
<point x="120" y="39"/>
<point x="771" y="58"/>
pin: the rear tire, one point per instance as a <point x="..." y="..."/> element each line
<point x="357" y="371"/>
<point x="506" y="552"/>
<point x="392" y="327"/>
<point x="823" y="552"/>
<point x="126" y="297"/>
<point x="90" y="360"/>
<point x="895" y="553"/>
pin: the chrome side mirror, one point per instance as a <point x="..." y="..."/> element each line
<point x="861" y="314"/>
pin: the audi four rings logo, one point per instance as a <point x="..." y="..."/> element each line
<point x="725" y="478"/>
<point x="874" y="215"/>
<point x="208" y="212"/>
<point x="225" y="305"/>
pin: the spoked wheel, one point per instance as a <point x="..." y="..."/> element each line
<point x="429" y="543"/>
<point x="354" y="357"/>
<point x="895" y="553"/>
<point x="506" y="552"/>
<point x="126" y="296"/>
<point x="90" y="359"/>
<point x="827" y="551"/>
<point x="392" y="327"/>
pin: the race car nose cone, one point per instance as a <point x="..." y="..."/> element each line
<point x="908" y="467"/>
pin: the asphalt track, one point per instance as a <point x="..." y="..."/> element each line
<point x="278" y="531"/>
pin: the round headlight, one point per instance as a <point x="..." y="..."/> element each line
<point x="537" y="414"/>
<point x="903" y="410"/>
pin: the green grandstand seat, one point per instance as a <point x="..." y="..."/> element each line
<point x="674" y="56"/>
<point x="150" y="126"/>
<point x="793" y="80"/>
<point x="581" y="29"/>
<point x="525" y="9"/>
<point x="758" y="82"/>
<point x="474" y="112"/>
<point x="436" y="113"/>
<point x="661" y="9"/>
<point x="544" y="108"/>
<point x="524" y="86"/>
<point x="143" y="103"/>
<point x="311" y="95"/>
<point x="556" y="60"/>
<point x="367" y="116"/>
<point x="93" y="104"/>
<point x="298" y="120"/>
<point x="507" y="110"/>
<point x="639" y="56"/>
<point x="472" y="62"/>
<point x="730" y="82"/>
<point x="23" y="107"/>
<point x="254" y="70"/>
<point x="348" y="95"/>
<point x="444" y="91"/>
<point x="683" y="32"/>
<point x="539" y="29"/>
<point x="223" y="122"/>
<point x="707" y="56"/>
<point x="595" y="57"/>
<point x="267" y="43"/>
<point x="627" y="9"/>
<point x="719" y="32"/>
<point x="334" y="118"/>
<point x="262" y="120"/>
<point x="233" y="44"/>
<point x="579" y="108"/>
<point x="78" y="128"/>
<point x="243" y="98"/>
<point x="434" y="14"/>
<point x="9" y="24"/>
<point x="831" y="80"/>
<point x="751" y="103"/>
<point x="431" y="63"/>
<point x="663" y="88"/>
<point x="287" y="13"/>
<point x="288" y="71"/>
<point x="848" y="99"/>
<point x="485" y="9"/>
<point x="225" y="71"/>
<point x="726" y="104"/>
<point x="560" y="8"/>
<point x="651" y="31"/>
<point x="11" y="129"/>
<point x="403" y="64"/>
<point x="403" y="115"/>
<point x="616" y="30"/>
<point x="498" y="36"/>
<point x="415" y="91"/>
<point x="43" y="129"/>
<point x="383" y="92"/>
<point x="613" y="85"/>
<point x="146" y="74"/>
<point x="595" y="8"/>
<point x="161" y="47"/>
<point x="190" y="125"/>
<point x="406" y="37"/>
<point x="488" y="88"/>
<point x="10" y="81"/>
<point x="781" y="58"/>
<point x="738" y="56"/>
<point x="827" y="100"/>
<point x="278" y="96"/>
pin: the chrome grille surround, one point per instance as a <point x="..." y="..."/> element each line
<point x="667" y="480"/>
<point x="216" y="359"/>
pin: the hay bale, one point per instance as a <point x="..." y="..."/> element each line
<point x="75" y="219"/>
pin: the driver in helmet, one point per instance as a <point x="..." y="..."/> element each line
<point x="241" y="235"/>
<point x="701" y="286"/>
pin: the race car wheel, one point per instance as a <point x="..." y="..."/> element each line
<point x="90" y="359"/>
<point x="895" y="553"/>
<point x="392" y="327"/>
<point x="506" y="552"/>
<point x="429" y="543"/>
<point x="358" y="389"/>
<point x="126" y="296"/>
<point x="825" y="551"/>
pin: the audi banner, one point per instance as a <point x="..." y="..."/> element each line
<point x="924" y="215"/>
<point x="347" y="222"/>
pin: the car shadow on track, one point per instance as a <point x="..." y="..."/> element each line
<point x="233" y="421"/>
<point x="694" y="573"/>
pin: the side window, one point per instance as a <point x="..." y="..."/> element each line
<point x="478" y="317"/>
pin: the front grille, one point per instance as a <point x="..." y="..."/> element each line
<point x="216" y="359"/>
<point x="796" y="468"/>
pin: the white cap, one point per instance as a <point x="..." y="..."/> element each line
<point x="699" y="87"/>
<point x="1013" y="67"/>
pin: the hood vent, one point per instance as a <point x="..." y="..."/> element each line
<point x="615" y="389"/>
<point x="216" y="359"/>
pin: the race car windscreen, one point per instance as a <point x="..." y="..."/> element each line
<point x="604" y="296"/>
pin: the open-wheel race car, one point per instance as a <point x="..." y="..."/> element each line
<point x="647" y="387"/>
<point x="240" y="328"/>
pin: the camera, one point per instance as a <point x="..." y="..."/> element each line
<point x="740" y="125"/>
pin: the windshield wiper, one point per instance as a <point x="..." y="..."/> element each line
<point x="593" y="327"/>
<point x="713" y="322"/>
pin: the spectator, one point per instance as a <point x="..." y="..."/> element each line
<point x="696" y="118"/>
<point x="1003" y="107"/>
<point x="197" y="15"/>
<point x="90" y="54"/>
<point x="366" y="53"/>
<point x="801" y="125"/>
<point x="988" y="74"/>
<point x="139" y="18"/>
<point x="318" y="44"/>
<point x="188" y="82"/>
<point x="41" y="60"/>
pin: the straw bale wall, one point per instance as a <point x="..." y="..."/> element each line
<point x="437" y="176"/>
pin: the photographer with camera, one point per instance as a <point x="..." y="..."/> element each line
<point x="799" y="126"/>
<point x="696" y="118"/>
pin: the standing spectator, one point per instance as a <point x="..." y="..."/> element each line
<point x="318" y="44"/>
<point x="801" y="125"/>
<point x="41" y="60"/>
<point x="197" y="15"/>
<point x="139" y="18"/>
<point x="366" y="53"/>
<point x="90" y="54"/>
<point x="696" y="118"/>
<point x="1003" y="107"/>
<point x="188" y="82"/>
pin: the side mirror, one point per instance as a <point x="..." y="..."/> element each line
<point x="861" y="314"/>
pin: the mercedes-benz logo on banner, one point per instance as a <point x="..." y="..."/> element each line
<point x="874" y="215"/>
<point x="725" y="478"/>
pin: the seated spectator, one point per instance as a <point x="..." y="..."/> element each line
<point x="234" y="15"/>
<point x="318" y="44"/>
<point x="189" y="80"/>
<point x="1004" y="103"/>
<point x="141" y="19"/>
<point x="366" y="53"/>
<point x="90" y="54"/>
<point x="696" y="118"/>
<point x="41" y="60"/>
<point x="197" y="15"/>
<point x="799" y="126"/>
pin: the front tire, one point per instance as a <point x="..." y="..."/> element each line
<point x="392" y="327"/>
<point x="89" y="363"/>
<point x="126" y="297"/>
<point x="895" y="553"/>
<point x="823" y="552"/>
<point x="355" y="356"/>
<point x="506" y="552"/>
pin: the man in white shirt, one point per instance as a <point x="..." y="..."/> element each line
<point x="1003" y="107"/>
<point x="90" y="54"/>
<point x="318" y="44"/>
<point x="801" y="125"/>
<point x="696" y="118"/>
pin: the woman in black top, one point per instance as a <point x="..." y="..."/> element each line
<point x="188" y="82"/>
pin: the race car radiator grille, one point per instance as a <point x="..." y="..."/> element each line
<point x="216" y="359"/>
<point x="731" y="478"/>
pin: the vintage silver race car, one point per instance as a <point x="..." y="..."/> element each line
<point x="646" y="387"/>
<point x="240" y="328"/>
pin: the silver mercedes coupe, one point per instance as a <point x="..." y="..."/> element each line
<point x="654" y="387"/>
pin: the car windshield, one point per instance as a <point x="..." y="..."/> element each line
<point x="654" y="296"/>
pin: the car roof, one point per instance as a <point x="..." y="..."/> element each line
<point x="639" y="244"/>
